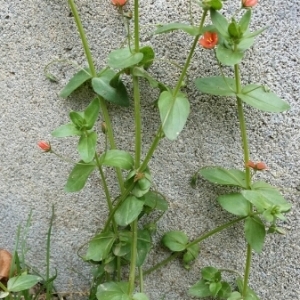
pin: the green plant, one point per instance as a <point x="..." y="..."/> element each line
<point x="124" y="241"/>
<point x="23" y="278"/>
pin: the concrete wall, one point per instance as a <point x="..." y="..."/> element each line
<point x="34" y="32"/>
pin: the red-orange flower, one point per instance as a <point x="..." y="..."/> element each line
<point x="259" y="166"/>
<point x="118" y="2"/>
<point x="45" y="146"/>
<point x="209" y="40"/>
<point x="249" y="3"/>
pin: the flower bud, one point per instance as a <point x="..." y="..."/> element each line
<point x="261" y="166"/>
<point x="250" y="164"/>
<point x="119" y="3"/>
<point x="209" y="40"/>
<point x="45" y="146"/>
<point x="249" y="3"/>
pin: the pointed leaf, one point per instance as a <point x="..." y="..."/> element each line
<point x="79" y="176"/>
<point x="175" y="240"/>
<point x="216" y="86"/>
<point x="117" y="158"/>
<point x="220" y="23"/>
<point x="66" y="130"/>
<point x="235" y="204"/>
<point x="116" y="94"/>
<point x="255" y="233"/>
<point x="87" y="146"/>
<point x="260" y="98"/>
<point x="192" y="30"/>
<point x="200" y="289"/>
<point x="245" y="20"/>
<point x="113" y="291"/>
<point x="229" y="57"/>
<point x="211" y="274"/>
<point x="75" y="82"/>
<point x="100" y="246"/>
<point x="143" y="246"/>
<point x="22" y="282"/>
<point x="173" y="113"/>
<point x="255" y="33"/>
<point x="123" y="58"/>
<point x="91" y="113"/>
<point x="223" y="176"/>
<point x="129" y="210"/>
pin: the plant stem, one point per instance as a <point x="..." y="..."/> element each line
<point x="103" y="106"/>
<point x="188" y="60"/>
<point x="133" y="257"/>
<point x="246" y="159"/>
<point x="141" y="279"/>
<point x="136" y="26"/>
<point x="137" y="120"/>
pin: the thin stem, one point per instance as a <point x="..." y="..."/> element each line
<point x="247" y="270"/>
<point x="103" y="106"/>
<point x="136" y="26"/>
<point x="188" y="60"/>
<point x="141" y="279"/>
<point x="246" y="159"/>
<point x="214" y="231"/>
<point x="133" y="257"/>
<point x="137" y="120"/>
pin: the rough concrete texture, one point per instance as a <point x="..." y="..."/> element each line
<point x="34" y="33"/>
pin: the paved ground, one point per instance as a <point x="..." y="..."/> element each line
<point x="33" y="33"/>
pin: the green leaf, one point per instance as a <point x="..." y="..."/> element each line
<point x="22" y="282"/>
<point x="227" y="56"/>
<point x="211" y="274"/>
<point x="79" y="176"/>
<point x="224" y="177"/>
<point x="143" y="246"/>
<point x="140" y="72"/>
<point x="3" y="294"/>
<point x="200" y="289"/>
<point x="91" y="113"/>
<point x="148" y="57"/>
<point x="175" y="240"/>
<point x="100" y="246"/>
<point x="216" y="86"/>
<point x="75" y="82"/>
<point x="250" y="295"/>
<point x="192" y="30"/>
<point x="191" y="254"/>
<point x="66" y="130"/>
<point x="260" y="98"/>
<point x="113" y="291"/>
<point x="78" y="119"/>
<point x="156" y="201"/>
<point x="245" y="21"/>
<point x="116" y="94"/>
<point x="140" y="296"/>
<point x="87" y="146"/>
<point x="215" y="4"/>
<point x="235" y="204"/>
<point x="124" y="58"/>
<point x="255" y="233"/>
<point x="129" y="210"/>
<point x="117" y="158"/>
<point x="214" y="288"/>
<point x="220" y="23"/>
<point x="255" y="33"/>
<point x="225" y="291"/>
<point x="235" y="296"/>
<point x="244" y="44"/>
<point x="173" y="113"/>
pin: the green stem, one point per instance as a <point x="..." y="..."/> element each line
<point x="103" y="106"/>
<point x="196" y="241"/>
<point x="141" y="279"/>
<point x="136" y="26"/>
<point x="188" y="60"/>
<point x="214" y="231"/>
<point x="246" y="159"/>
<point x="133" y="257"/>
<point x="137" y="120"/>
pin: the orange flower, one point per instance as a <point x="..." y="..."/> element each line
<point x="259" y="166"/>
<point x="119" y="2"/>
<point x="249" y="3"/>
<point x="209" y="40"/>
<point x="45" y="146"/>
<point x="250" y="164"/>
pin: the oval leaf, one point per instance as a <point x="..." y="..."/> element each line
<point x="22" y="282"/>
<point x="91" y="113"/>
<point x="79" y="176"/>
<point x="218" y="86"/>
<point x="229" y="57"/>
<point x="175" y="240"/>
<point x="192" y="30"/>
<point x="87" y="146"/>
<point x="75" y="82"/>
<point x="66" y="130"/>
<point x="173" y="113"/>
<point x="235" y="204"/>
<point x="113" y="291"/>
<point x="100" y="246"/>
<point x="224" y="177"/>
<point x="260" y="98"/>
<point x="117" y="158"/>
<point x="129" y="210"/>
<point x="123" y="58"/>
<point x="255" y="233"/>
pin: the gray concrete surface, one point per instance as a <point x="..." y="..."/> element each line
<point x="35" y="32"/>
